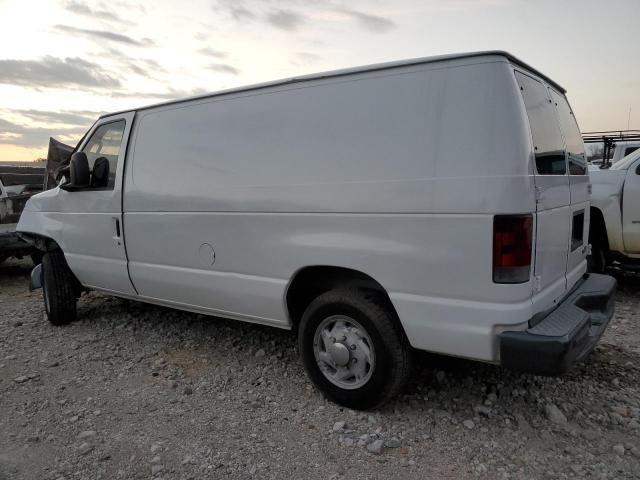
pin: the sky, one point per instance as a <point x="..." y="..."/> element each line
<point x="65" y="62"/>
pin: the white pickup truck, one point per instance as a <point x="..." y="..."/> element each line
<point x="614" y="233"/>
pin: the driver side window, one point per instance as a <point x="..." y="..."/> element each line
<point x="106" y="142"/>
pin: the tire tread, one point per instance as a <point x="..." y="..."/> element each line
<point x="62" y="288"/>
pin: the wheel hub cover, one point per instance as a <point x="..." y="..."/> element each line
<point x="339" y="353"/>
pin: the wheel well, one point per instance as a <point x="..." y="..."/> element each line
<point x="311" y="282"/>
<point x="598" y="229"/>
<point x="40" y="242"/>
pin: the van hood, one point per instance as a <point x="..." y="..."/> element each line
<point x="47" y="201"/>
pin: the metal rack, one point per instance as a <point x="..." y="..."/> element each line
<point x="609" y="139"/>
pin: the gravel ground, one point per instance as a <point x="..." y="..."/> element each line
<point x="137" y="391"/>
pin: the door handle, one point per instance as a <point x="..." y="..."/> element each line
<point x="117" y="227"/>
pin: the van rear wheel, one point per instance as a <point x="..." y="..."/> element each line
<point x="58" y="289"/>
<point x="353" y="348"/>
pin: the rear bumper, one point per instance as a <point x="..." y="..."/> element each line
<point x="566" y="334"/>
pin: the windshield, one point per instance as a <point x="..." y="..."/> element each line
<point x="625" y="162"/>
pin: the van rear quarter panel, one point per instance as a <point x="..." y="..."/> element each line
<point x="396" y="173"/>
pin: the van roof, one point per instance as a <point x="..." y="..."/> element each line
<point x="348" y="71"/>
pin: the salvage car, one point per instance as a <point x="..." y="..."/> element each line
<point x="438" y="204"/>
<point x="17" y="184"/>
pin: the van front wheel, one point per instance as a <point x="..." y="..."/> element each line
<point x="353" y="348"/>
<point x="58" y="289"/>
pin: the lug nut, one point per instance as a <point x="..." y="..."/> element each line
<point x="352" y="347"/>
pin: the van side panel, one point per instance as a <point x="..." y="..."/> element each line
<point x="375" y="142"/>
<point x="355" y="172"/>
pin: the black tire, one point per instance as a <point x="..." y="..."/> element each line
<point x="392" y="351"/>
<point x="59" y="289"/>
<point x="2" y="259"/>
<point x="597" y="261"/>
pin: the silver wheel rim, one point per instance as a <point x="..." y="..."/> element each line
<point x="344" y="352"/>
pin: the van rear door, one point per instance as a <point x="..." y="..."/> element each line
<point x="579" y="187"/>
<point x="553" y="207"/>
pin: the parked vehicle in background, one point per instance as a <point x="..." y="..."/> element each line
<point x="614" y="233"/>
<point x="440" y="204"/>
<point x="623" y="149"/>
<point x="615" y="145"/>
<point x="17" y="184"/>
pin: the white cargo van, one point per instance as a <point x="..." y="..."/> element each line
<point x="438" y="204"/>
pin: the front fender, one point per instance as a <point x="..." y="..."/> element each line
<point x="48" y="225"/>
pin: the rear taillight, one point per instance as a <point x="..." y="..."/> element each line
<point x="512" y="238"/>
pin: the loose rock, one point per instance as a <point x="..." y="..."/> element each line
<point x="554" y="414"/>
<point x="392" y="443"/>
<point x="376" y="447"/>
<point x="86" y="434"/>
<point x="469" y="424"/>
<point x="338" y="426"/>
<point x="85" y="448"/>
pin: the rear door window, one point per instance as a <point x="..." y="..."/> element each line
<point x="545" y="131"/>
<point x="572" y="137"/>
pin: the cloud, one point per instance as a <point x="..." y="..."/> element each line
<point x="234" y="8"/>
<point x="210" y="52"/>
<point x="285" y="19"/>
<point x="34" y="137"/>
<point x="104" y="35"/>
<point x="138" y="70"/>
<point x="55" y="72"/>
<point x="144" y="67"/>
<point x="94" y="13"/>
<point x="150" y="64"/>
<point x="289" y="20"/>
<point x="373" y="23"/>
<point x="169" y="95"/>
<point x="240" y="13"/>
<point x="65" y="117"/>
<point x="224" y="68"/>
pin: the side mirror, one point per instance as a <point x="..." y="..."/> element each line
<point x="79" y="170"/>
<point x="100" y="174"/>
<point x="79" y="173"/>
